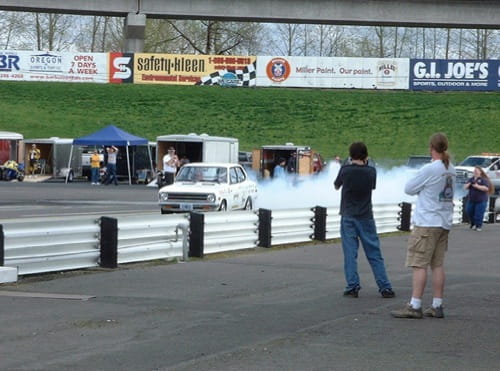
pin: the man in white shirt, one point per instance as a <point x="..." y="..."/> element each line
<point x="170" y="164"/>
<point x="434" y="186"/>
<point x="111" y="165"/>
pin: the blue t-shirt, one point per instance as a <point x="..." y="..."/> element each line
<point x="475" y="195"/>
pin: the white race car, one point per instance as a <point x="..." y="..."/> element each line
<point x="208" y="186"/>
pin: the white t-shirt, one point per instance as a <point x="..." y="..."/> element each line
<point x="434" y="186"/>
<point x="166" y="166"/>
<point x="112" y="157"/>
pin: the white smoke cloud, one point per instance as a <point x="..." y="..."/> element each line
<point x="318" y="190"/>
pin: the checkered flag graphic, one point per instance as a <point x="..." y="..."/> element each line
<point x="247" y="76"/>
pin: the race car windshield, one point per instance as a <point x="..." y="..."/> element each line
<point x="202" y="174"/>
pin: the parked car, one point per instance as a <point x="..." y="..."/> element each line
<point x="416" y="161"/>
<point x="208" y="187"/>
<point x="490" y="162"/>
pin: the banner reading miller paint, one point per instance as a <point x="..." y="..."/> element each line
<point x="454" y="74"/>
<point x="53" y="66"/>
<point x="332" y="72"/>
<point x="183" y="69"/>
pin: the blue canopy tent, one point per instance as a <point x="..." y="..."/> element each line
<point x="113" y="136"/>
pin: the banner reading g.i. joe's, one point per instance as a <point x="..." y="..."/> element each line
<point x="331" y="72"/>
<point x="454" y="74"/>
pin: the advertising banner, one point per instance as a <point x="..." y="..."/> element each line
<point x="331" y="72"/>
<point x="184" y="69"/>
<point x="54" y="66"/>
<point x="454" y="74"/>
<point x="121" y="68"/>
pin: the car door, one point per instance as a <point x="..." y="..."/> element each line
<point x="244" y="187"/>
<point x="234" y="186"/>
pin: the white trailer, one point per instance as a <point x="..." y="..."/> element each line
<point x="11" y="147"/>
<point x="54" y="157"/>
<point x="198" y="148"/>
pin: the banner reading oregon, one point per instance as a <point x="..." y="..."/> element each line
<point x="186" y="69"/>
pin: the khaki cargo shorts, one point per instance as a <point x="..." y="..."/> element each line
<point x="426" y="246"/>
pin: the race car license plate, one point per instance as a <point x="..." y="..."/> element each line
<point x="187" y="207"/>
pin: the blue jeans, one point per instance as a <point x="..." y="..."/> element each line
<point x="111" y="170"/>
<point x="475" y="212"/>
<point x="352" y="230"/>
<point x="94" y="171"/>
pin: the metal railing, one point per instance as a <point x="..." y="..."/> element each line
<point x="230" y="231"/>
<point x="51" y="244"/>
<point x="150" y="237"/>
<point x="54" y="244"/>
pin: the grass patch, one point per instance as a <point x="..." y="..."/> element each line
<point x="394" y="124"/>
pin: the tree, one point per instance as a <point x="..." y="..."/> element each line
<point x="52" y="31"/>
<point x="203" y="37"/>
<point x="12" y="24"/>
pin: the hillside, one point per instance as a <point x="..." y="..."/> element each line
<point x="394" y="124"/>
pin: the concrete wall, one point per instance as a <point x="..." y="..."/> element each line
<point x="452" y="13"/>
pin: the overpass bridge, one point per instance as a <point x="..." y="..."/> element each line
<point x="416" y="13"/>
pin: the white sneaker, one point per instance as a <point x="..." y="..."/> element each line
<point x="478" y="229"/>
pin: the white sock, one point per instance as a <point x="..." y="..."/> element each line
<point x="416" y="303"/>
<point x="437" y="302"/>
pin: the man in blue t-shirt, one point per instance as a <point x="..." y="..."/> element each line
<point x="357" y="180"/>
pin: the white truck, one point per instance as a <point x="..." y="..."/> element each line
<point x="490" y="162"/>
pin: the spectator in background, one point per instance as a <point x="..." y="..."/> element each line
<point x="111" y="165"/>
<point x="279" y="169"/>
<point x="183" y="161"/>
<point x="95" y="165"/>
<point x="34" y="156"/>
<point x="480" y="187"/>
<point x="170" y="164"/>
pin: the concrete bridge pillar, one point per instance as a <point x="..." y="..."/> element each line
<point x="135" y="25"/>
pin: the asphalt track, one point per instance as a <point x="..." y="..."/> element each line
<point x="263" y="309"/>
<point x="25" y="199"/>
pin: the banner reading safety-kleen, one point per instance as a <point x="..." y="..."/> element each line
<point x="53" y="66"/>
<point x="330" y="72"/>
<point x="183" y="69"/>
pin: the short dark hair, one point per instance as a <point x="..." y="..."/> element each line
<point x="358" y="151"/>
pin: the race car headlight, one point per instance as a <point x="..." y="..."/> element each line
<point x="163" y="196"/>
<point x="211" y="197"/>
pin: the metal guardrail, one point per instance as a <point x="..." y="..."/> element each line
<point x="51" y="244"/>
<point x="54" y="244"/>
<point x="291" y="226"/>
<point x="230" y="231"/>
<point x="150" y="237"/>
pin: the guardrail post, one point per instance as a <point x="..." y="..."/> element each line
<point x="109" y="242"/>
<point x="465" y="217"/>
<point x="404" y="216"/>
<point x="2" y="246"/>
<point x="491" y="209"/>
<point x="319" y="223"/>
<point x="265" y="228"/>
<point x="196" y="234"/>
